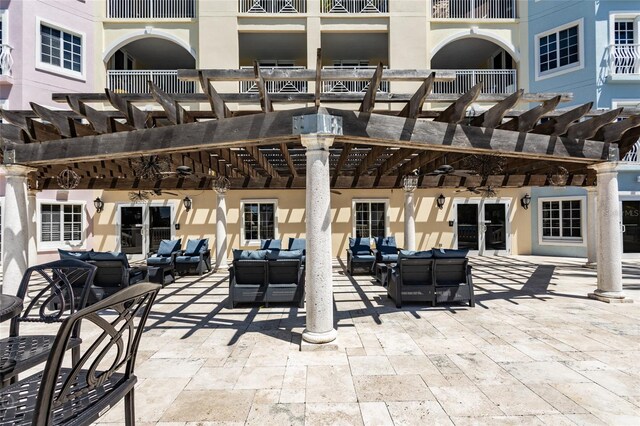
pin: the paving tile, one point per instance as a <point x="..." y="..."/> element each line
<point x="165" y="368"/>
<point x="200" y="406"/>
<point x="276" y="414"/>
<point x="391" y="388"/>
<point x="600" y="402"/>
<point x="465" y="400"/>
<point x="497" y="420"/>
<point x="418" y="413"/>
<point x="370" y="366"/>
<point x="215" y="378"/>
<point x="544" y="372"/>
<point x="346" y="414"/>
<point x="292" y="395"/>
<point x="516" y="399"/>
<point x="557" y="399"/>
<point x="260" y="378"/>
<point x="616" y="381"/>
<point x="375" y="414"/>
<point x="329" y="384"/>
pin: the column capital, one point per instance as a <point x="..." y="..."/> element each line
<point x="317" y="142"/>
<point x="220" y="194"/>
<point x="613" y="166"/>
<point x="592" y="189"/>
<point x="15" y="170"/>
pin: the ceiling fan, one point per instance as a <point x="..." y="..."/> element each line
<point x="144" y="196"/>
<point x="447" y="169"/>
<point x="484" y="191"/>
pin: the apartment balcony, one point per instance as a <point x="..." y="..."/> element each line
<point x="137" y="81"/>
<point x="497" y="82"/>
<point x="473" y="9"/>
<point x="624" y="62"/>
<point x="275" y="86"/>
<point x="346" y="86"/>
<point x="151" y="9"/>
<point x="354" y="6"/>
<point x="272" y="6"/>
<point x="6" y="62"/>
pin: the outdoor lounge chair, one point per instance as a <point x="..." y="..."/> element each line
<point x="81" y="394"/>
<point x="196" y="256"/>
<point x="164" y="260"/>
<point x="248" y="277"/>
<point x="412" y="278"/>
<point x="360" y="256"/>
<point x="386" y="250"/>
<point x="452" y="275"/>
<point x="66" y="288"/>
<point x="285" y="277"/>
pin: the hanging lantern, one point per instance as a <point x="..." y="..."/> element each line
<point x="221" y="184"/>
<point x="68" y="179"/>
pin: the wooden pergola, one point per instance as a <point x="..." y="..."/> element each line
<point x="260" y="147"/>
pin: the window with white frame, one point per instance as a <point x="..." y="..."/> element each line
<point x="258" y="220"/>
<point x="60" y="49"/>
<point x="561" y="220"/>
<point x="625" y="42"/>
<point x="560" y="50"/>
<point x="61" y="223"/>
<point x="370" y="219"/>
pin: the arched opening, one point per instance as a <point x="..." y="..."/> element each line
<point x="155" y="59"/>
<point x="476" y="60"/>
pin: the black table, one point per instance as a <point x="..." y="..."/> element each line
<point x="10" y="306"/>
<point x="161" y="274"/>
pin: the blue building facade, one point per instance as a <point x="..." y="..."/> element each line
<point x="591" y="49"/>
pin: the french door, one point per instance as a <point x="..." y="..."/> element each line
<point x="482" y="226"/>
<point x="141" y="227"/>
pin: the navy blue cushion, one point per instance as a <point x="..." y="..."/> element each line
<point x="76" y="255"/>
<point x="107" y="255"/>
<point x="188" y="259"/>
<point x="270" y="244"/>
<point x="159" y="260"/>
<point x="363" y="258"/>
<point x="360" y="245"/>
<point x="284" y="254"/>
<point x="297" y="244"/>
<point x="387" y="245"/>
<point x="450" y="254"/>
<point x="389" y="257"/>
<point x="406" y="254"/>
<point x="168" y="246"/>
<point x="195" y="247"/>
<point x="249" y="254"/>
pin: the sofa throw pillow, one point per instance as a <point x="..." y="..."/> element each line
<point x="284" y="254"/>
<point x="410" y="254"/>
<point x="76" y="255"/>
<point x="168" y="246"/>
<point x="249" y="254"/>
<point x="450" y="254"/>
<point x="297" y="244"/>
<point x="360" y="246"/>
<point x="195" y="247"/>
<point x="270" y="244"/>
<point x="387" y="245"/>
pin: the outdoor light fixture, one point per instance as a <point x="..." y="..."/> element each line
<point x="187" y="203"/>
<point x="221" y="184"/>
<point x="410" y="182"/>
<point x="525" y="201"/>
<point x="99" y="205"/>
<point x="440" y="201"/>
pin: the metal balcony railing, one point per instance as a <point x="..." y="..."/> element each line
<point x="6" y="61"/>
<point x="272" y="6"/>
<point x="354" y="6"/>
<point x="275" y="86"/>
<point x="137" y="81"/>
<point x="347" y="86"/>
<point x="500" y="82"/>
<point x="624" y="59"/>
<point x="634" y="154"/>
<point x="155" y="9"/>
<point x="473" y="9"/>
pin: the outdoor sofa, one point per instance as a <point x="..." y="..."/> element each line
<point x="266" y="276"/>
<point x="195" y="257"/>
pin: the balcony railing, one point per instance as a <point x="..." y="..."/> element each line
<point x="624" y="59"/>
<point x="6" y="61"/>
<point x="137" y="81"/>
<point x="272" y="6"/>
<point x="355" y="6"/>
<point x="151" y="9"/>
<point x="277" y="86"/>
<point x="500" y="82"/>
<point x="473" y="9"/>
<point x="346" y="86"/>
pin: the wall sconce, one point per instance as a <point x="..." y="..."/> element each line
<point x="440" y="201"/>
<point x="525" y="201"/>
<point x="187" y="203"/>
<point x="98" y="204"/>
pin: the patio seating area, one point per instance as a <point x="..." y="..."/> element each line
<point x="534" y="350"/>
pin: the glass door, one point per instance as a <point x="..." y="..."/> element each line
<point x="495" y="227"/>
<point x="131" y="231"/>
<point x="482" y="227"/>
<point x="631" y="226"/>
<point x="467" y="226"/>
<point x="159" y="226"/>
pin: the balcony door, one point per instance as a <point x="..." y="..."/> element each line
<point x="482" y="227"/>
<point x="631" y="226"/>
<point x="141" y="227"/>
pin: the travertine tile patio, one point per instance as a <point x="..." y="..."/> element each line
<point x="534" y="350"/>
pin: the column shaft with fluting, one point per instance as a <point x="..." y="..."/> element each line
<point x="318" y="276"/>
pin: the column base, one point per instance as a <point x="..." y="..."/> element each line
<point x="610" y="297"/>
<point x="319" y="338"/>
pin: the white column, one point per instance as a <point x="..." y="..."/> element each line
<point x="33" y="220"/>
<point x="16" y="228"/>
<point x="592" y="227"/>
<point x="319" y="285"/>
<point x="409" y="222"/>
<point x="609" y="235"/>
<point x="221" y="232"/>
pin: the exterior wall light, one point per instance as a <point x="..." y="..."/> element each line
<point x="410" y="182"/>
<point x="187" y="203"/>
<point x="525" y="201"/>
<point x="98" y="204"/>
<point x="440" y="201"/>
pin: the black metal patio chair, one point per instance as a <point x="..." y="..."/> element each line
<point x="104" y="374"/>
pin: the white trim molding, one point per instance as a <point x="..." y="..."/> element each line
<point x="566" y="68"/>
<point x="60" y="70"/>
<point x="62" y="244"/>
<point x="144" y="33"/>
<point x="274" y="201"/>
<point x="475" y="32"/>
<point x="564" y="241"/>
